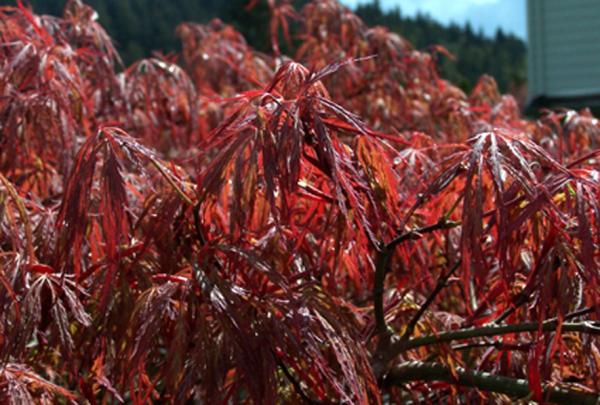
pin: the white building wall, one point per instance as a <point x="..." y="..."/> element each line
<point x="564" y="48"/>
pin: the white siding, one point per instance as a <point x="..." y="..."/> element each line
<point x="564" y="48"/>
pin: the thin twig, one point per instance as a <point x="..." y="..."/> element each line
<point x="382" y="261"/>
<point x="419" y="232"/>
<point x="441" y="283"/>
<point x="496" y="344"/>
<point x="576" y="314"/>
<point x="581" y="312"/>
<point x="295" y="383"/>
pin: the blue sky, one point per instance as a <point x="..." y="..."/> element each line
<point x="488" y="14"/>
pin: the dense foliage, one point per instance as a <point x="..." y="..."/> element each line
<point x="140" y="27"/>
<point x="341" y="227"/>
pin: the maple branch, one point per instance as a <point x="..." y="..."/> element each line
<point x="381" y="265"/>
<point x="592" y="328"/>
<point x="418" y="233"/>
<point x="441" y="283"/>
<point x="496" y="344"/>
<point x="419" y="371"/>
<point x="382" y="261"/>
<point x="296" y="385"/>
<point x="583" y="311"/>
<point x="576" y="314"/>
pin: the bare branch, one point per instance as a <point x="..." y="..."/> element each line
<point x="438" y="288"/>
<point x="382" y="262"/>
<point x="418" y="371"/>
<point x="398" y="347"/>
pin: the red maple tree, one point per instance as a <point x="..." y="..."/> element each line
<point x="341" y="227"/>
